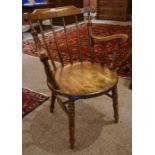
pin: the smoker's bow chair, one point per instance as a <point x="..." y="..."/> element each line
<point x="76" y="80"/>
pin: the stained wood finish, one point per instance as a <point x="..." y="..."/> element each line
<point x="123" y="37"/>
<point x="77" y="80"/>
<point x="114" y="9"/>
<point x="71" y="112"/>
<point x="48" y="13"/>
<point x="69" y="19"/>
<point x="41" y="14"/>
<point x="46" y="45"/>
<point x="52" y="103"/>
<point x="56" y="42"/>
<point x="79" y="41"/>
<point x="66" y="41"/>
<point x="84" y="79"/>
<point x="90" y="3"/>
<point x="77" y="3"/>
<point x="115" y="103"/>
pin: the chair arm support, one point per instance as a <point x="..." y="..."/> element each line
<point x="119" y="37"/>
<point x="49" y="74"/>
<point x="99" y="38"/>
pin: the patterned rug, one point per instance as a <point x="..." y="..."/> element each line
<point x="124" y="54"/>
<point x="31" y="100"/>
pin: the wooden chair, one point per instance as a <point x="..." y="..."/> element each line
<point x="76" y="80"/>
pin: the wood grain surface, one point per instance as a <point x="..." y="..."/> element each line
<point x="84" y="78"/>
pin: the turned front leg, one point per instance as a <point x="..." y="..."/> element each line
<point x="115" y="103"/>
<point x="52" y="102"/>
<point x="71" y="112"/>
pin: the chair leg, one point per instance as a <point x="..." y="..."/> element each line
<point x="71" y="111"/>
<point x="52" y="102"/>
<point x="115" y="103"/>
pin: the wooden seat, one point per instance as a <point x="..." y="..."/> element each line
<point x="84" y="79"/>
<point x="76" y="80"/>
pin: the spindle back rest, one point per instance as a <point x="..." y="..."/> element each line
<point x="43" y="14"/>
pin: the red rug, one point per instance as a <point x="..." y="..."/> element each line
<point x="31" y="100"/>
<point x="124" y="56"/>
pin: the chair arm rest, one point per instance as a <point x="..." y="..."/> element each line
<point x="119" y="37"/>
<point x="49" y="73"/>
<point x="99" y="38"/>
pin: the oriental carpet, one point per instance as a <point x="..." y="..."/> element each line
<point x="31" y="100"/>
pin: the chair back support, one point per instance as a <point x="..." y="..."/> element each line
<point x="41" y="14"/>
<point x="62" y="12"/>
